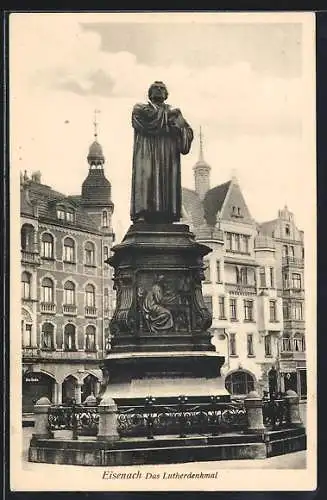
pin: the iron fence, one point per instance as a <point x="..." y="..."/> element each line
<point x="81" y="420"/>
<point x="275" y="413"/>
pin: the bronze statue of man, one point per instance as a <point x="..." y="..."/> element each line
<point x="161" y="135"/>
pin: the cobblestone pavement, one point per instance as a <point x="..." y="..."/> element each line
<point x="295" y="460"/>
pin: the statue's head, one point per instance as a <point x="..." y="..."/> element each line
<point x="158" y="92"/>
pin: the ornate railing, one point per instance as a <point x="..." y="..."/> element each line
<point x="182" y="419"/>
<point x="275" y="413"/>
<point x="81" y="420"/>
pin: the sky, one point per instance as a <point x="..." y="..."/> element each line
<point x="244" y="83"/>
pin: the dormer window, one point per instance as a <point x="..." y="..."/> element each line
<point x="70" y="215"/>
<point x="61" y="213"/>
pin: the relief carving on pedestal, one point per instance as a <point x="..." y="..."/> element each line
<point x="124" y="316"/>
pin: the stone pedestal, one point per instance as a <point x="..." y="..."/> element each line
<point x="253" y="405"/>
<point x="41" y="408"/>
<point x="294" y="408"/>
<point x="107" y="420"/>
<point x="160" y="343"/>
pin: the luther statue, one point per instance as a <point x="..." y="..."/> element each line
<point x="161" y="135"/>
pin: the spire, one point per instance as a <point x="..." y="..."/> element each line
<point x="201" y="145"/>
<point x="234" y="176"/>
<point x="95" y="157"/>
<point x="201" y="171"/>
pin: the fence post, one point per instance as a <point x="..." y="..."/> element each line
<point x="41" y="426"/>
<point x="253" y="405"/>
<point x="108" y="423"/>
<point x="293" y="405"/>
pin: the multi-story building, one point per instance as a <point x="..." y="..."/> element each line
<point x="289" y="243"/>
<point x="245" y="284"/>
<point x="66" y="285"/>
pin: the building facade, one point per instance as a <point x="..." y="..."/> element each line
<point x="289" y="244"/>
<point x="66" y="287"/>
<point x="246" y="279"/>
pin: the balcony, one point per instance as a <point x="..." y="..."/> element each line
<point x="70" y="355"/>
<point x="90" y="312"/>
<point x="69" y="309"/>
<point x="292" y="349"/>
<point x="264" y="242"/>
<point x="292" y="262"/>
<point x="29" y="257"/>
<point x="294" y="324"/>
<point x="30" y="352"/>
<point x="47" y="308"/>
<point x="209" y="233"/>
<point x="296" y="293"/>
<point x="239" y="289"/>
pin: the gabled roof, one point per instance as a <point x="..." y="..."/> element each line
<point x="213" y="202"/>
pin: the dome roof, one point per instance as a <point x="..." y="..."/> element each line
<point x="201" y="163"/>
<point x="95" y="156"/>
<point x="96" y="189"/>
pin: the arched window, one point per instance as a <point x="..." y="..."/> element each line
<point x="286" y="342"/>
<point x="27" y="237"/>
<point x="90" y="295"/>
<point x="26" y="285"/>
<point x="69" y="250"/>
<point x="105" y="218"/>
<point x="48" y="336"/>
<point x="47" y="291"/>
<point x="47" y="246"/>
<point x="26" y="325"/>
<point x="70" y="337"/>
<point x="239" y="383"/>
<point x="89" y="254"/>
<point x="69" y="293"/>
<point x="90" y="344"/>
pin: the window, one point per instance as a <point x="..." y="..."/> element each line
<point x="70" y="337"/>
<point x="303" y="383"/>
<point x="69" y="250"/>
<point x="297" y="312"/>
<point x="237" y="243"/>
<point x="232" y="344"/>
<point x="218" y="271"/>
<point x="206" y="270"/>
<point x="69" y="293"/>
<point x="244" y="276"/>
<point x="26" y="285"/>
<point x="287" y="229"/>
<point x="286" y="311"/>
<point x="250" y="344"/>
<point x="105" y="255"/>
<point x="248" y="310"/>
<point x="105" y="219"/>
<point x="268" y="345"/>
<point x="27" y="237"/>
<point x="47" y="336"/>
<point x="26" y="334"/>
<point x="208" y="302"/>
<point x="233" y="309"/>
<point x="299" y="342"/>
<point x="286" y="343"/>
<point x="221" y="304"/>
<point x="61" y="213"/>
<point x="90" y="338"/>
<point x="229" y="241"/>
<point x="262" y="277"/>
<point x="90" y="295"/>
<point x="106" y="298"/>
<point x="47" y="291"/>
<point x="70" y="215"/>
<point x="272" y="280"/>
<point x="245" y="244"/>
<point x="296" y="281"/>
<point x="292" y="251"/>
<point x="239" y="382"/>
<point x="286" y="282"/>
<point x="285" y="251"/>
<point x="47" y="246"/>
<point x="89" y="254"/>
<point x="272" y="310"/>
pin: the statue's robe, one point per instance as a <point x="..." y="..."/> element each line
<point x="158" y="316"/>
<point x="156" y="176"/>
